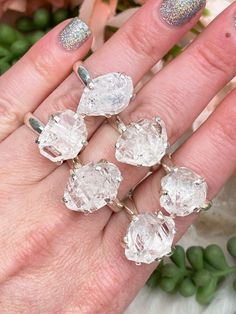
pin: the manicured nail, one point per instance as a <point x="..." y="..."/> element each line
<point x="179" y="12"/>
<point x="74" y="34"/>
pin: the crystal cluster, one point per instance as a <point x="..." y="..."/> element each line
<point x="107" y="95"/>
<point x="149" y="237"/>
<point x="143" y="143"/>
<point x="183" y="192"/>
<point x="63" y="137"/>
<point x="92" y="186"/>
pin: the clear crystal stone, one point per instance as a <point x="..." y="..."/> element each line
<point x="63" y="137"/>
<point x="92" y="186"/>
<point x="109" y="95"/>
<point x="143" y="143"/>
<point x="149" y="237"/>
<point x="183" y="192"/>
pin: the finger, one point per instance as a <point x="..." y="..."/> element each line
<point x="168" y="96"/>
<point x="210" y="152"/>
<point x="134" y="49"/>
<point x="37" y="74"/>
<point x="182" y="89"/>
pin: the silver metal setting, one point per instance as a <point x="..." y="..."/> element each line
<point x="61" y="138"/>
<point x="165" y="192"/>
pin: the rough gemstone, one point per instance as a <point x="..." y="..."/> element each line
<point x="110" y="94"/>
<point x="63" y="136"/>
<point x="143" y="143"/>
<point x="149" y="237"/>
<point x="183" y="192"/>
<point x="92" y="186"/>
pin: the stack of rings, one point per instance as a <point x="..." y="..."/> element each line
<point x="143" y="143"/>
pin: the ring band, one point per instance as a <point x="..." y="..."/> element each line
<point x="33" y="123"/>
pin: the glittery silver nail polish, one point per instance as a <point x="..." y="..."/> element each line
<point x="179" y="12"/>
<point x="74" y="34"/>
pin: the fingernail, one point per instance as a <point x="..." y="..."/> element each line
<point x="179" y="12"/>
<point x="74" y="34"/>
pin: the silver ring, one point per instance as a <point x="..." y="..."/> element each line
<point x="183" y="191"/>
<point x="104" y="95"/>
<point x="142" y="144"/>
<point x="93" y="186"/>
<point x="149" y="236"/>
<point x="62" y="138"/>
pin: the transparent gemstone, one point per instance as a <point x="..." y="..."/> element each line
<point x="92" y="186"/>
<point x="110" y="94"/>
<point x="149" y="237"/>
<point x="143" y="143"/>
<point x="63" y="136"/>
<point x="183" y="192"/>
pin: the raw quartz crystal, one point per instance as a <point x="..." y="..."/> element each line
<point x="149" y="237"/>
<point x="143" y="143"/>
<point x="92" y="186"/>
<point x="108" y="95"/>
<point x="63" y="137"/>
<point x="183" y="192"/>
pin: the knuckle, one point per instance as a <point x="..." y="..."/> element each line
<point x="171" y="103"/>
<point x="34" y="242"/>
<point x="8" y="113"/>
<point x="43" y="63"/>
<point x="38" y="242"/>
<point x="213" y="59"/>
<point x="142" y="39"/>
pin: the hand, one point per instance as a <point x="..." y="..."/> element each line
<point x="57" y="261"/>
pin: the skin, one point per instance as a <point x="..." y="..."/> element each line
<point x="57" y="261"/>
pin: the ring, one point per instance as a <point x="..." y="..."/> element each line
<point x="104" y="95"/>
<point x="182" y="190"/>
<point x="142" y="143"/>
<point x="65" y="134"/>
<point x="149" y="236"/>
<point x="93" y="186"/>
<point x="62" y="138"/>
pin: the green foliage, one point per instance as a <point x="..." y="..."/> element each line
<point x="231" y="247"/>
<point x="198" y="271"/>
<point x="16" y="40"/>
<point x="3" y="52"/>
<point x="195" y="257"/>
<point x="202" y="277"/>
<point x="214" y="255"/>
<point x="42" y="18"/>
<point x="19" y="48"/>
<point x="4" y="66"/>
<point x="35" y="36"/>
<point x="187" y="288"/>
<point x="7" y="35"/>
<point x="205" y="294"/>
<point x="25" y="24"/>
<point x="178" y="256"/>
<point x="60" y="15"/>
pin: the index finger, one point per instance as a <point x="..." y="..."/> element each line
<point x="40" y="71"/>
